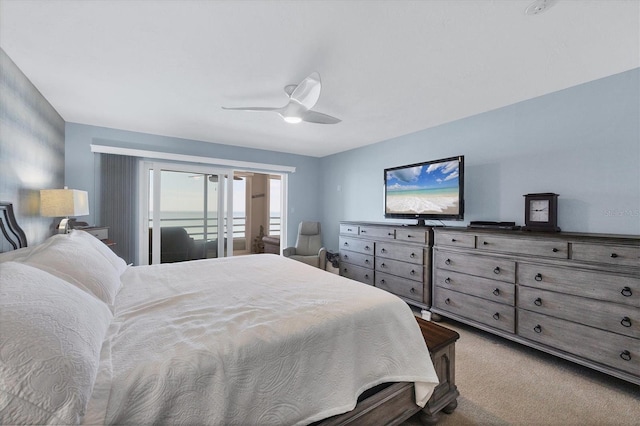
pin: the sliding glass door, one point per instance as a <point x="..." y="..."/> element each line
<point x="187" y="209"/>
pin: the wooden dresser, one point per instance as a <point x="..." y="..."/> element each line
<point x="574" y="295"/>
<point x="395" y="258"/>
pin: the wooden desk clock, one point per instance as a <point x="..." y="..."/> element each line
<point x="541" y="212"/>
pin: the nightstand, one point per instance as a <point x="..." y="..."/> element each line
<point x="101" y="233"/>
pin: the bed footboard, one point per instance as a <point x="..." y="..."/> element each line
<point x="395" y="403"/>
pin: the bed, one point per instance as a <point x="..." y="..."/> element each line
<point x="258" y="339"/>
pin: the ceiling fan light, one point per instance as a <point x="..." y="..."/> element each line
<point x="292" y="119"/>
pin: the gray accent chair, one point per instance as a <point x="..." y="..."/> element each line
<point x="175" y="244"/>
<point x="308" y="248"/>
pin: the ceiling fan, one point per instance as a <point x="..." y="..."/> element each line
<point x="213" y="178"/>
<point x="302" y="97"/>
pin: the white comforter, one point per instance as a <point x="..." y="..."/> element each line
<point x="252" y="340"/>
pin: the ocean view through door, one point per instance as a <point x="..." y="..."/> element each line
<point x="185" y="209"/>
<point x="187" y="213"/>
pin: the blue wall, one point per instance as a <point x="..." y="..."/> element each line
<point x="582" y="143"/>
<point x="81" y="165"/>
<point x="31" y="149"/>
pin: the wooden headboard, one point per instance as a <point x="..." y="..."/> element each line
<point x="10" y="229"/>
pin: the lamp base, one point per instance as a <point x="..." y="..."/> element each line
<point x="63" y="227"/>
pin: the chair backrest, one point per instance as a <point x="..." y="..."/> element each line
<point x="175" y="244"/>
<point x="309" y="240"/>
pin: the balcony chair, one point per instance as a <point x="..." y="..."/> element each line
<point x="271" y="244"/>
<point x="175" y="244"/>
<point x="308" y="248"/>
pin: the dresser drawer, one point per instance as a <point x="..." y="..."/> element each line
<point x="410" y="271"/>
<point x="455" y="239"/>
<point x="610" y="287"/>
<point x="606" y="253"/>
<point x="377" y="232"/>
<point x="355" y="258"/>
<point x="357" y="273"/>
<point x="527" y="247"/>
<point x="481" y="266"/>
<point x="354" y="244"/>
<point x="610" y="349"/>
<point x="412" y="235"/>
<point x="405" y="253"/>
<point x="349" y="229"/>
<point x="620" y="319"/>
<point x="399" y="286"/>
<point x="493" y="314"/>
<point x="496" y="291"/>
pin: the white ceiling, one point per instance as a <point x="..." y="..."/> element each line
<point x="388" y="68"/>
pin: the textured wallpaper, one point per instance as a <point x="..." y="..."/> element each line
<point x="31" y="149"/>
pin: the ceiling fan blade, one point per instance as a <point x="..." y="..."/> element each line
<point x="307" y="92"/>
<point x="320" y="118"/>
<point x="253" y="108"/>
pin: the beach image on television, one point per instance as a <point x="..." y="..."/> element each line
<point x="428" y="189"/>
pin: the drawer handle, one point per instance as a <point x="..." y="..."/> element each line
<point x="382" y="282"/>
<point x="413" y="290"/>
<point x="496" y="316"/>
<point x="366" y="261"/>
<point x="497" y="270"/>
<point x="538" y="302"/>
<point x="453" y="240"/>
<point x="363" y="231"/>
<point x="485" y="243"/>
<point x="390" y="234"/>
<point x="447" y="262"/>
<point x="538" y="277"/>
<point x="614" y="255"/>
<point x="447" y="280"/>
<point x="626" y="292"/>
<point x="383" y="250"/>
<point x="346" y="244"/>
<point x="626" y="355"/>
<point x="626" y="322"/>
<point x="349" y="229"/>
<point x="345" y="270"/>
<point x="369" y="248"/>
<point x="447" y="301"/>
<point x="496" y="292"/>
<point x="555" y="250"/>
<point x="413" y="255"/>
<point x="410" y="236"/>
<point x="537" y="329"/>
<point x="412" y="272"/>
<point x="382" y="265"/>
<point x="345" y="256"/>
<point x="366" y="276"/>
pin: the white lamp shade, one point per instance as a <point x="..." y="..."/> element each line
<point x="63" y="202"/>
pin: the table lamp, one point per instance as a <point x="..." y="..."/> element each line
<point x="63" y="203"/>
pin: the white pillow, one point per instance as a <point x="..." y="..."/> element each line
<point x="77" y="262"/>
<point x="118" y="263"/>
<point x="50" y="338"/>
<point x="15" y="255"/>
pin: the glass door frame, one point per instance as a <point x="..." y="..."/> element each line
<point x="225" y="233"/>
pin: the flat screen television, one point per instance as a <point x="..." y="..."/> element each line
<point x="431" y="190"/>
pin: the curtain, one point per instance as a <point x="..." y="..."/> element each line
<point x="119" y="202"/>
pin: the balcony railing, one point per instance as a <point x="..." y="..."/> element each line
<point x="196" y="229"/>
<point x="274" y="225"/>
